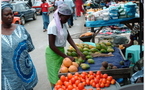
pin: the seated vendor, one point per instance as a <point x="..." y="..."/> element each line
<point x="134" y="36"/>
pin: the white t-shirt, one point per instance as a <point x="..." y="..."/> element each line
<point x="59" y="2"/>
<point x="52" y="29"/>
<point x="70" y="3"/>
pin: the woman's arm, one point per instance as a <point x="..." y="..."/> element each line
<point x="69" y="39"/>
<point x="55" y="49"/>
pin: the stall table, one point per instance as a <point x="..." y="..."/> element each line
<point x="122" y="72"/>
<point x="129" y="22"/>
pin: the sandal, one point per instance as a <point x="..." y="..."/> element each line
<point x="44" y="30"/>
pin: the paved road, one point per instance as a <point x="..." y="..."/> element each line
<point x="40" y="42"/>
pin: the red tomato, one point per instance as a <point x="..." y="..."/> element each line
<point x="105" y="75"/>
<point x="76" y="74"/>
<point x="77" y="82"/>
<point x="60" y="89"/>
<point x="69" y="87"/>
<point x="84" y="73"/>
<point x="72" y="80"/>
<point x="98" y="76"/>
<point x="62" y="78"/>
<point x="107" y="85"/>
<point x="66" y="79"/>
<point x="109" y="78"/>
<point x="80" y="86"/>
<point x="83" y="76"/>
<point x="91" y="72"/>
<point x="57" y="87"/>
<point x="113" y="81"/>
<point x="103" y="80"/>
<point x="90" y="89"/>
<point x="108" y="82"/>
<point x="94" y="84"/>
<point x="97" y="85"/>
<point x="87" y="81"/>
<point x="98" y="88"/>
<point x="59" y="82"/>
<point x="98" y="72"/>
<point x="69" y="75"/>
<point x="96" y="80"/>
<point x="102" y="85"/>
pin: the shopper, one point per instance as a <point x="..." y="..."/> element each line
<point x="57" y="3"/>
<point x="17" y="69"/>
<point x="79" y="9"/>
<point x="71" y="5"/>
<point x="45" y="14"/>
<point x="58" y="35"/>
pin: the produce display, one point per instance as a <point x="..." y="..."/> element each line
<point x="89" y="51"/>
<point x="79" y="81"/>
<point x="106" y="65"/>
<point x="68" y="66"/>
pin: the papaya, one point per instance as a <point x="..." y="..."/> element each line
<point x="85" y="66"/>
<point x="90" y="61"/>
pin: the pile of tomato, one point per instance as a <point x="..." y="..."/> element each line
<point x="78" y="81"/>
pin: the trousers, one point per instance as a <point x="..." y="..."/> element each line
<point x="45" y="18"/>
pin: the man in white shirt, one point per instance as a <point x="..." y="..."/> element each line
<point x="57" y="3"/>
<point x="71" y="5"/>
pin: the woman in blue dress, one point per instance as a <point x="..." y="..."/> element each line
<point x="18" y="71"/>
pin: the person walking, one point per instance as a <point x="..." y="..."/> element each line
<point x="58" y="35"/>
<point x="17" y="69"/>
<point x="71" y="5"/>
<point x="57" y="3"/>
<point x="45" y="14"/>
<point x="79" y="9"/>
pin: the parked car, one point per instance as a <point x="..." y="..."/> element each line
<point x="24" y="11"/>
<point x="37" y="4"/>
<point x="16" y="20"/>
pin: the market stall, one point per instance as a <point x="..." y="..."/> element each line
<point x="117" y="67"/>
<point x="114" y="15"/>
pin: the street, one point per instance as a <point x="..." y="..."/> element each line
<point x="39" y="38"/>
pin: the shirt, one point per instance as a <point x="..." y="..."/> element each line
<point x="70" y="3"/>
<point x="59" y="2"/>
<point x="18" y="71"/>
<point x="44" y="7"/>
<point x="52" y="29"/>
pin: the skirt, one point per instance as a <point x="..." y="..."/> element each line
<point x="53" y="63"/>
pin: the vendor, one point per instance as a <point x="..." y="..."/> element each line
<point x="134" y="36"/>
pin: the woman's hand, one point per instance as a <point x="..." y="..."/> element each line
<point x="71" y="58"/>
<point x="80" y="54"/>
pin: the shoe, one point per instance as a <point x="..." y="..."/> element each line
<point x="44" y="30"/>
<point x="69" y="26"/>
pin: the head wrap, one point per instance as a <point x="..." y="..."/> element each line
<point x="5" y="5"/>
<point x="64" y="10"/>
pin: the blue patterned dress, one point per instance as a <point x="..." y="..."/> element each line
<point x="18" y="71"/>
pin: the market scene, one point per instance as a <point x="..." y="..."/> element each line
<point x="72" y="44"/>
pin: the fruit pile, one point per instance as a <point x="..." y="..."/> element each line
<point x="88" y="50"/>
<point x="68" y="66"/>
<point x="106" y="65"/>
<point x="78" y="81"/>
